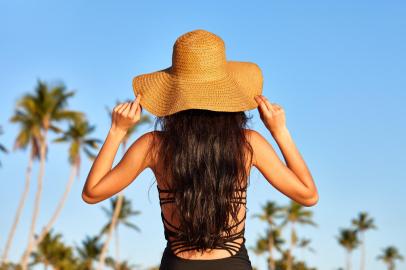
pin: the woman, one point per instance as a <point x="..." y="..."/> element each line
<point x="203" y="153"/>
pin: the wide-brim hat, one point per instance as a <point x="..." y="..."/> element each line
<point x="200" y="78"/>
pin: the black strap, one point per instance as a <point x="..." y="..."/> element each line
<point x="231" y="246"/>
<point x="178" y="245"/>
<point x="171" y="190"/>
<point x="161" y="190"/>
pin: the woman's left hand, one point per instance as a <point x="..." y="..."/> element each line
<point x="125" y="115"/>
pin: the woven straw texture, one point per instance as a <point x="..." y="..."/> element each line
<point x="200" y="78"/>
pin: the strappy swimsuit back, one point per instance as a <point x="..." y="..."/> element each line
<point x="238" y="258"/>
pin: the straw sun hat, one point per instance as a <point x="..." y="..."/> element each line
<point x="200" y="78"/>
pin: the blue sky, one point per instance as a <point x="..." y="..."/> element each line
<point x="337" y="67"/>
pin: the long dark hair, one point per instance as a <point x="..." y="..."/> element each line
<point x="204" y="155"/>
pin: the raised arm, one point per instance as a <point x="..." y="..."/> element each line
<point x="293" y="179"/>
<point x="102" y="181"/>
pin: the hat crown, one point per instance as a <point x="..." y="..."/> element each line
<point x="199" y="54"/>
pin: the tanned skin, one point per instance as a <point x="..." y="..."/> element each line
<point x="293" y="179"/>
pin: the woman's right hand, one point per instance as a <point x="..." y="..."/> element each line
<point x="271" y="114"/>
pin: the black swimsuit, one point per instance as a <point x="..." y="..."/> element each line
<point x="238" y="259"/>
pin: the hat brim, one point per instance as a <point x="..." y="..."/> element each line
<point x="163" y="94"/>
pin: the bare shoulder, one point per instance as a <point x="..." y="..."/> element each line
<point x="257" y="142"/>
<point x="251" y="138"/>
<point x="152" y="141"/>
<point x="142" y="147"/>
<point x="255" y="137"/>
<point x="147" y="137"/>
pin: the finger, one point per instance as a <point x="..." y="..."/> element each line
<point x="137" y="98"/>
<point x="139" y="110"/>
<point x="133" y="103"/>
<point x="127" y="109"/>
<point x="117" y="111"/>
<point x="279" y="107"/>
<point x="134" y="106"/>
<point x="118" y="106"/>
<point x="263" y="108"/>
<point x="133" y="109"/>
<point x="259" y="100"/>
<point x="137" y="114"/>
<point x="123" y="108"/>
<point x="267" y="103"/>
<point x="271" y="105"/>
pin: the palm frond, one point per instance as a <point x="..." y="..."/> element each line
<point x="132" y="226"/>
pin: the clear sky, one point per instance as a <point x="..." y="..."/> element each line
<point x="337" y="67"/>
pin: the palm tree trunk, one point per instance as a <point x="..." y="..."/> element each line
<point x="61" y="203"/>
<point x="256" y="260"/>
<point x="270" y="248"/>
<point x="90" y="264"/>
<point x="117" y="248"/>
<point x="19" y="209"/>
<point x="25" y="257"/>
<point x="289" y="262"/>
<point x="117" y="210"/>
<point x="362" y="251"/>
<point x="303" y="253"/>
<point x="348" y="260"/>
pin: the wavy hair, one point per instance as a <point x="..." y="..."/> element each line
<point x="204" y="154"/>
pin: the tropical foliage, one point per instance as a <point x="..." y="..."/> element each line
<point x="389" y="256"/>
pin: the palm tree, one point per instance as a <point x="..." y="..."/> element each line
<point x="262" y="244"/>
<point x="77" y="135"/>
<point x="281" y="264"/>
<point x="28" y="136"/>
<point x="145" y="119"/>
<point x="9" y="266"/>
<point x="53" y="252"/>
<point x="270" y="211"/>
<point x="389" y="256"/>
<point x="304" y="244"/>
<point x="125" y="213"/>
<point x="295" y="213"/>
<point x="363" y="223"/>
<point x="124" y="265"/>
<point x="2" y="147"/>
<point x="45" y="249"/>
<point x="89" y="251"/>
<point x="348" y="238"/>
<point x="48" y="105"/>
